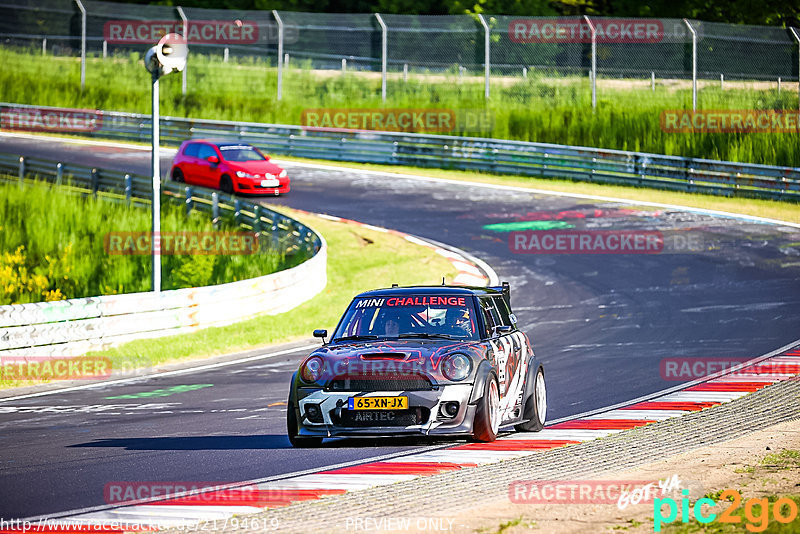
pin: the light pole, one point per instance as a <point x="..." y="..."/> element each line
<point x="169" y="55"/>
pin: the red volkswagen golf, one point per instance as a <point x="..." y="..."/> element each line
<point x="230" y="167"/>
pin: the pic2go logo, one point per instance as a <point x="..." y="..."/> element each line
<point x="756" y="511"/>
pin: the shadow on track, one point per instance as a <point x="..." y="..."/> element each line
<point x="193" y="443"/>
<point x="262" y="442"/>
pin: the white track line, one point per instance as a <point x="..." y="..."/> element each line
<point x="158" y="375"/>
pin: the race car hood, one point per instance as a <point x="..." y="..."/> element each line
<point x="391" y="357"/>
<point x="256" y="167"/>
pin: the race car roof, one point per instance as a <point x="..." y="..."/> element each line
<point x="430" y="290"/>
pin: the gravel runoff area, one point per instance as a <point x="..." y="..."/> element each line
<point x="441" y="499"/>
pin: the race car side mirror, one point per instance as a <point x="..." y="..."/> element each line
<point x="321" y="333"/>
<point x="212" y="159"/>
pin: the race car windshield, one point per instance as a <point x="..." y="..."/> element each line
<point x="241" y="153"/>
<point x="409" y="316"/>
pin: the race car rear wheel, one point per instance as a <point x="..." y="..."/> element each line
<point x="535" y="406"/>
<point x="487" y="414"/>
<point x="300" y="442"/>
<point x="177" y="175"/>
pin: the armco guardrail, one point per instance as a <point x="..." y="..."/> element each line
<point x="72" y="327"/>
<point x="465" y="153"/>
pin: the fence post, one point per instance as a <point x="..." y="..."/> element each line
<point x="594" y="61"/>
<point x="384" y="31"/>
<point x="21" y="169"/>
<point x="83" y="43"/>
<point x="486" y="56"/>
<point x="779" y="86"/>
<point x="185" y="36"/>
<point x="694" y="64"/>
<point x="128" y="188"/>
<point x="797" y="38"/>
<point x="105" y="49"/>
<point x="189" y="203"/>
<point x="95" y="181"/>
<point x="653" y="81"/>
<point x="44" y="46"/>
<point x="225" y="55"/>
<point x="721" y="81"/>
<point x="215" y="209"/>
<point x="280" y="52"/>
<point x="344" y="65"/>
<point x="59" y="173"/>
<point x="405" y="72"/>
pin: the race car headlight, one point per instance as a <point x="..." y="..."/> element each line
<point x="312" y="369"/>
<point x="456" y="366"/>
<point x="282" y="174"/>
<point x="242" y="174"/>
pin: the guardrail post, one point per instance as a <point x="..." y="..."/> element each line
<point x="59" y="173"/>
<point x="257" y="218"/>
<point x="275" y="237"/>
<point x="594" y="61"/>
<point x="384" y="31"/>
<point x="796" y="35"/>
<point x="486" y="56"/>
<point x="21" y="169"/>
<point x="189" y="203"/>
<point x="280" y="52"/>
<point x="237" y="210"/>
<point x="83" y="43"/>
<point x="95" y="181"/>
<point x="215" y="209"/>
<point x="185" y="21"/>
<point x="128" y="188"/>
<point x="694" y="63"/>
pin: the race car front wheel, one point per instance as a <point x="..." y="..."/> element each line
<point x="535" y="406"/>
<point x="487" y="414"/>
<point x="291" y="429"/>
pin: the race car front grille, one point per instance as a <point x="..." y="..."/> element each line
<point x="382" y="382"/>
<point x="372" y="418"/>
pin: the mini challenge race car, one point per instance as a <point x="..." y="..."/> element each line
<point x="429" y="360"/>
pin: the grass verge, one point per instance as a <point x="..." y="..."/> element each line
<point x="358" y="259"/>
<point x="57" y="243"/>
<point x="536" y="108"/>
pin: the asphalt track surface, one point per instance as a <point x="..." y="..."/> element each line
<point x="601" y="323"/>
